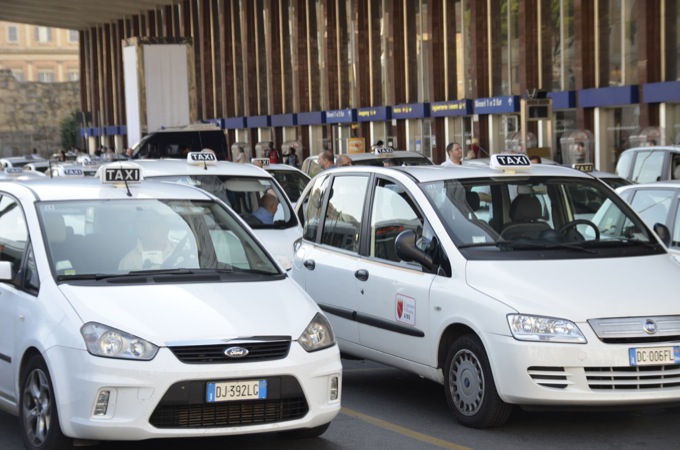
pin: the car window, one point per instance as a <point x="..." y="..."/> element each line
<point x="648" y="167"/>
<point x="392" y="212"/>
<point x="675" y="173"/>
<point x="312" y="207"/>
<point x="653" y="204"/>
<point x="116" y="237"/>
<point x="13" y="232"/>
<point x="343" y="216"/>
<point x="623" y="165"/>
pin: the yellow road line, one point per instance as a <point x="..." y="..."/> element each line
<point x="403" y="431"/>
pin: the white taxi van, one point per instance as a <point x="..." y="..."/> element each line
<point x="135" y="309"/>
<point x="241" y="186"/>
<point x="487" y="280"/>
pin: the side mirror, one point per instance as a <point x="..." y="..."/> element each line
<point x="405" y="245"/>
<point x="664" y="233"/>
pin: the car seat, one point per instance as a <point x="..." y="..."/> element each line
<point x="525" y="212"/>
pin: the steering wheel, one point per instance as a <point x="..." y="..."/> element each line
<point x="576" y="222"/>
<point x="177" y="253"/>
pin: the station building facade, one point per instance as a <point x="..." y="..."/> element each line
<point x="415" y="74"/>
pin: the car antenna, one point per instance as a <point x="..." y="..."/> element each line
<point x="129" y="194"/>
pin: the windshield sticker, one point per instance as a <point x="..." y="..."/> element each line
<point x="406" y="310"/>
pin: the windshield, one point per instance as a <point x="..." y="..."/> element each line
<point x="523" y="213"/>
<point x="246" y="196"/>
<point x="292" y="182"/>
<point x="102" y="238"/>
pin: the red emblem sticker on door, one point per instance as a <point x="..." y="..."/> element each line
<point x="405" y="310"/>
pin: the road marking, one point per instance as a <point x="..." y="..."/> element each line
<point x="403" y="431"/>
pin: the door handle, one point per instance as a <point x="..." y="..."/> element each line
<point x="310" y="264"/>
<point x="361" y="274"/>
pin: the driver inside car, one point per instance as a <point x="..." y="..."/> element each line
<point x="153" y="248"/>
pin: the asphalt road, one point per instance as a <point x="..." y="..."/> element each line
<point x="385" y="408"/>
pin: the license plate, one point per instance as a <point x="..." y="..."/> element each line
<point x="236" y="390"/>
<point x="654" y="356"/>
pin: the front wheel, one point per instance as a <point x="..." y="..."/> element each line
<point x="470" y="388"/>
<point x="39" y="418"/>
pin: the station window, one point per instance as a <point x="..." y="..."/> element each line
<point x="73" y="35"/>
<point x="43" y="34"/>
<point x="12" y="34"/>
<point x="46" y="76"/>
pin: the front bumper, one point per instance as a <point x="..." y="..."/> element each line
<point x="592" y="374"/>
<point x="163" y="397"/>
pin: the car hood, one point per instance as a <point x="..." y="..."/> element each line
<point x="163" y="313"/>
<point x="581" y="289"/>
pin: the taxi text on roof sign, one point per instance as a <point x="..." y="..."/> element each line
<point x="384" y="150"/>
<point x="583" y="167"/>
<point x="510" y="162"/>
<point x="121" y="175"/>
<point x="201" y="157"/>
<point x="262" y="161"/>
<point x="73" y="172"/>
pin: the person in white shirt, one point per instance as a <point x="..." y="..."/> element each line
<point x="454" y="154"/>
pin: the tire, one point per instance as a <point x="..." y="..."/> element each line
<point x="470" y="388"/>
<point x="38" y="414"/>
<point x="305" y="433"/>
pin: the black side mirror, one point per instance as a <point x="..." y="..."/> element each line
<point x="664" y="233"/>
<point x="405" y="245"/>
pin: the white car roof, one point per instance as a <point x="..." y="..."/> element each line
<point x="428" y="173"/>
<point x="161" y="167"/>
<point x="667" y="184"/>
<point x="91" y="188"/>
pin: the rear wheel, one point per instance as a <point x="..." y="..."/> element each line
<point x="39" y="418"/>
<point x="470" y="388"/>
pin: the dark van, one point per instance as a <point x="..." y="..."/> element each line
<point x="177" y="142"/>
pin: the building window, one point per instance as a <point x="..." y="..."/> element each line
<point x="12" y="34"/>
<point x="73" y="75"/>
<point x="563" y="45"/>
<point x="73" y="35"/>
<point x="46" y="76"/>
<point x="18" y="75"/>
<point x="43" y="34"/>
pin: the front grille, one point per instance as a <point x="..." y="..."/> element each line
<point x="637" y="330"/>
<point x="228" y="414"/>
<point x="258" y="350"/>
<point x="184" y="405"/>
<point x="633" y="378"/>
<point x="550" y="377"/>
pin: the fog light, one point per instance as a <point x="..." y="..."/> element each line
<point x="335" y="388"/>
<point x="102" y="404"/>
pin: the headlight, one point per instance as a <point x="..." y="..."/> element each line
<point x="317" y="335"/>
<point x="544" y="329"/>
<point x="108" y="342"/>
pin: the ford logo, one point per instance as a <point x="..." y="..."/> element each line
<point x="650" y="326"/>
<point x="236" y="352"/>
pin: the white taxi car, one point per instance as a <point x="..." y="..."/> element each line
<point x="241" y="186"/>
<point x="485" y="280"/>
<point x="134" y="310"/>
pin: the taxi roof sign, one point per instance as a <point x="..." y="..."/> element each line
<point x="383" y="151"/>
<point x="202" y="158"/>
<point x="14" y="171"/>
<point x="72" y="172"/>
<point x="583" y="167"/>
<point x="263" y="161"/>
<point x="121" y="174"/>
<point x="510" y="162"/>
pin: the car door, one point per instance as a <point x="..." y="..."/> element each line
<point x="393" y="295"/>
<point x="329" y="253"/>
<point x="17" y="293"/>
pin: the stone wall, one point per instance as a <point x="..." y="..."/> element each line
<point x="31" y="114"/>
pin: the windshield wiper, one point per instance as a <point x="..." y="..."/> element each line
<point x="89" y="276"/>
<point x="180" y="271"/>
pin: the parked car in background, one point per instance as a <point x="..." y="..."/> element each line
<point x="21" y="161"/>
<point x="649" y="164"/>
<point x="240" y="186"/>
<point x="176" y="142"/>
<point x="292" y="180"/>
<point x="657" y="203"/>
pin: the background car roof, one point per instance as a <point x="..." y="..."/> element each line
<point x="426" y="173"/>
<point x="672" y="184"/>
<point x="159" y="167"/>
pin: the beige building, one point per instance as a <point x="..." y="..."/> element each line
<point x="35" y="53"/>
